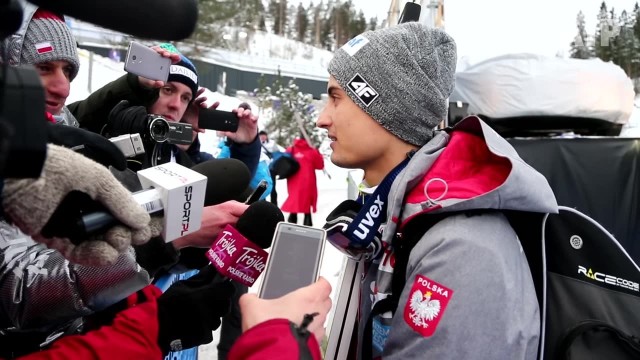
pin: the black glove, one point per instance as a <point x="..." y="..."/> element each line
<point x="91" y="145"/>
<point x="190" y="310"/>
<point x="126" y="119"/>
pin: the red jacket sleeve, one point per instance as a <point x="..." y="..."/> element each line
<point x="318" y="160"/>
<point x="275" y="339"/>
<point x="132" y="335"/>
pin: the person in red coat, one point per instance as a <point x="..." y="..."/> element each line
<point x="302" y="186"/>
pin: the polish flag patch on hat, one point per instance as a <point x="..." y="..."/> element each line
<point x="44" y="47"/>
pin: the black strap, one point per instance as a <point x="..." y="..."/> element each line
<point x="402" y="245"/>
<point x="301" y="333"/>
<point x="629" y="342"/>
<point x="269" y="153"/>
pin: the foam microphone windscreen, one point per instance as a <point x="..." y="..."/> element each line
<point x="151" y="19"/>
<point x="227" y="179"/>
<point x="258" y="223"/>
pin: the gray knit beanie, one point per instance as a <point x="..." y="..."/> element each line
<point x="48" y="38"/>
<point x="401" y="76"/>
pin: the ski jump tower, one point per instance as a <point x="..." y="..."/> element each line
<point x="432" y="12"/>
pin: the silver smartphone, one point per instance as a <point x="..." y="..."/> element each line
<point x="146" y="62"/>
<point x="294" y="259"/>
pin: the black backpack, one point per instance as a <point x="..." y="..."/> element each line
<point x="586" y="283"/>
<point x="283" y="166"/>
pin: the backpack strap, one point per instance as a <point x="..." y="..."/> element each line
<point x="402" y="244"/>
<point x="629" y="342"/>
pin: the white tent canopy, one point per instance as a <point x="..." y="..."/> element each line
<point x="531" y="85"/>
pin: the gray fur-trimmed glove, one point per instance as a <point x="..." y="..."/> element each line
<point x="30" y="203"/>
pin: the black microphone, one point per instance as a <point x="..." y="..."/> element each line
<point x="78" y="216"/>
<point x="237" y="251"/>
<point x="228" y="179"/>
<point x="152" y="19"/>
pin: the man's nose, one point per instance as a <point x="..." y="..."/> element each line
<point x="59" y="84"/>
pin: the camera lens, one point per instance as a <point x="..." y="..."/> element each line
<point x="133" y="57"/>
<point x="159" y="129"/>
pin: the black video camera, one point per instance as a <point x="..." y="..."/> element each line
<point x="153" y="128"/>
<point x="162" y="130"/>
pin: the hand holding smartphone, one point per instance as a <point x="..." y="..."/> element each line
<point x="294" y="260"/>
<point x="219" y="120"/>
<point x="257" y="193"/>
<point x="146" y="62"/>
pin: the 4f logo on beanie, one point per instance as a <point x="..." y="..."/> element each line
<point x="363" y="90"/>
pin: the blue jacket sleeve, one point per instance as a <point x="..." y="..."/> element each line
<point x="249" y="154"/>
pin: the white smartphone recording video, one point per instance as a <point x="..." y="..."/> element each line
<point x="294" y="259"/>
<point x="146" y="62"/>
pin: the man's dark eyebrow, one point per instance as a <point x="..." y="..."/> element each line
<point x="332" y="90"/>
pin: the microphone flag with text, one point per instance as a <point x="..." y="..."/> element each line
<point x="181" y="193"/>
<point x="238" y="253"/>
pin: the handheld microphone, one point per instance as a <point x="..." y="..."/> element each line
<point x="228" y="179"/>
<point x="78" y="216"/>
<point x="234" y="255"/>
<point x="137" y="18"/>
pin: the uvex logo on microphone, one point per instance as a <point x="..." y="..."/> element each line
<point x="365" y="225"/>
<point x="236" y="257"/>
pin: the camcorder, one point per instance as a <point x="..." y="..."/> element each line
<point x="151" y="127"/>
<point x="162" y="130"/>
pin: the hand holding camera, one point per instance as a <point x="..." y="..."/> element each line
<point x="127" y="119"/>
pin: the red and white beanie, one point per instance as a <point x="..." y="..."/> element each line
<point x="48" y="38"/>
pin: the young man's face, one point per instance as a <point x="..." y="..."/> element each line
<point x="358" y="141"/>
<point x="263" y="138"/>
<point x="55" y="78"/>
<point x="172" y="102"/>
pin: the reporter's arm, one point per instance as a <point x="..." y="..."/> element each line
<point x="29" y="272"/>
<point x="248" y="153"/>
<point x="31" y="203"/>
<point x="93" y="112"/>
<point x="132" y="335"/>
<point x="283" y="328"/>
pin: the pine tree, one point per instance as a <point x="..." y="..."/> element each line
<point x="625" y="42"/>
<point x="285" y="101"/>
<point x="302" y="23"/>
<point x="278" y="12"/>
<point x="318" y="21"/>
<point x="614" y="36"/>
<point x="602" y="41"/>
<point x="290" y="22"/>
<point x="373" y="23"/>
<point x="635" y="54"/>
<point x="327" y="34"/>
<point x="580" y="46"/>
<point x="213" y="16"/>
<point x="357" y="25"/>
<point x="251" y="16"/>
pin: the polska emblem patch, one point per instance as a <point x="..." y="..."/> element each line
<point x="426" y="304"/>
<point x="359" y="86"/>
